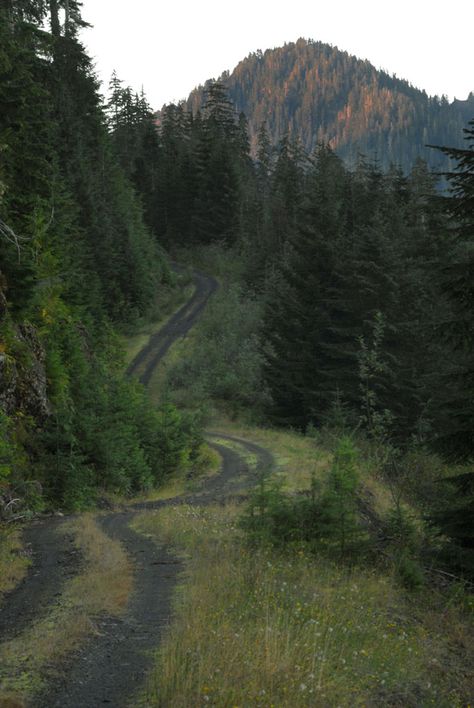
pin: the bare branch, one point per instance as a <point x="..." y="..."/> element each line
<point x="9" y="235"/>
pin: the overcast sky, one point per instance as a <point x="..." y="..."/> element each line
<point x="170" y="47"/>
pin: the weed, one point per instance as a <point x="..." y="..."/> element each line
<point x="261" y="627"/>
<point x="13" y="560"/>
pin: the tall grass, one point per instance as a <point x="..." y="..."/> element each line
<point x="265" y="628"/>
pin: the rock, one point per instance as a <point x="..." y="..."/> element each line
<point x="23" y="384"/>
<point x="34" y="389"/>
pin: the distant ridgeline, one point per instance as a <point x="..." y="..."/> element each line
<point x="317" y="94"/>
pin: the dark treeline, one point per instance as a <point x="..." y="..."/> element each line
<point x="76" y="260"/>
<point x="365" y="274"/>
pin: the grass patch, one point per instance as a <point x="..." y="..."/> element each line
<point x="102" y="587"/>
<point x="13" y="560"/>
<point x="184" y="481"/>
<point x="297" y="456"/>
<point x="262" y="628"/>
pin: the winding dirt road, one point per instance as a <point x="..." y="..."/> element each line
<point x="112" y="666"/>
<point x="177" y="326"/>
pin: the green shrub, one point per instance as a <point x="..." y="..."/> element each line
<point x="225" y="362"/>
<point x="409" y="572"/>
<point x="321" y="519"/>
<point x="340" y="524"/>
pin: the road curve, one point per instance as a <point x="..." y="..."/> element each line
<point x="112" y="666"/>
<point x="177" y="326"/>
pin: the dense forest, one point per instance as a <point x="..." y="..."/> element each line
<point x="317" y="93"/>
<point x="354" y="300"/>
<point x="353" y="305"/>
<point x="77" y="263"/>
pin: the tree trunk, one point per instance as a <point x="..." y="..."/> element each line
<point x="55" y="24"/>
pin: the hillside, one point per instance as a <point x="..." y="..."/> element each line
<point x="321" y="94"/>
<point x="236" y="397"/>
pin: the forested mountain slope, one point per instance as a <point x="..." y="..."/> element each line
<point x="317" y="93"/>
<point x="76" y="262"/>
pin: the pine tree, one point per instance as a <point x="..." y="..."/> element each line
<point x="455" y="431"/>
<point x="300" y="312"/>
<point x="217" y="202"/>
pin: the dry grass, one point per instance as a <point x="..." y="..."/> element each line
<point x="251" y="459"/>
<point x="258" y="628"/>
<point x="297" y="456"/>
<point x="102" y="587"/>
<point x="13" y="560"/>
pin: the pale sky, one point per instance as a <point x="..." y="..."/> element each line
<point x="171" y="46"/>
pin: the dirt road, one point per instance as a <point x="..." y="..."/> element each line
<point x="112" y="666"/>
<point x="177" y="326"/>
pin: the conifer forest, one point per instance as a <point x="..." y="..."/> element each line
<point x="330" y="215"/>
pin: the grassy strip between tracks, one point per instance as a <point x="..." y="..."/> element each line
<point x="101" y="588"/>
<point x="13" y="560"/>
<point x="261" y="627"/>
<point x="170" y="302"/>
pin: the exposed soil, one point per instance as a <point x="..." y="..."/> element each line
<point x="112" y="666"/>
<point x="54" y="560"/>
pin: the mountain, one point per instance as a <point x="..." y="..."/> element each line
<point x="317" y="93"/>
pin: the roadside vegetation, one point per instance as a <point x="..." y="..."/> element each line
<point x="264" y="619"/>
<point x="13" y="560"/>
<point x="186" y="480"/>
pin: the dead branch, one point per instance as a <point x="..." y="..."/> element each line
<point x="9" y="235"/>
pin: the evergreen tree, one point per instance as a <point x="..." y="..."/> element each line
<point x="74" y="254"/>
<point x="217" y="202"/>
<point x="455" y="431"/>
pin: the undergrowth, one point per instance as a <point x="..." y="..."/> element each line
<point x="265" y="627"/>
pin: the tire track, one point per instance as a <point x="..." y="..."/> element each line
<point x="178" y="326"/>
<point x="112" y="668"/>
<point x="54" y="560"/>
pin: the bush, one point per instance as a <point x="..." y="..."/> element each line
<point x="225" y="362"/>
<point x="409" y="572"/>
<point x="322" y="519"/>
